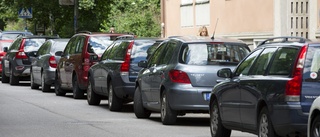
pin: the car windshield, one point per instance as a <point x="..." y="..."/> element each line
<point x="99" y="43"/>
<point x="213" y="53"/>
<point x="33" y="44"/>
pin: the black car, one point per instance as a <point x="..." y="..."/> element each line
<point x="16" y="63"/>
<point x="270" y="92"/>
<point x="114" y="76"/>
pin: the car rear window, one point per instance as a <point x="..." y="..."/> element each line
<point x="283" y="61"/>
<point x="213" y="53"/>
<point x="312" y="64"/>
<point x="140" y="48"/>
<point x="100" y="43"/>
<point x="33" y="44"/>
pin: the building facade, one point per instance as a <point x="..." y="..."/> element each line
<point x="249" y="20"/>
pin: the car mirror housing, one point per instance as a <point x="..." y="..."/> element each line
<point x="5" y="49"/>
<point x="33" y="54"/>
<point x="143" y="64"/>
<point x="225" y="73"/>
<point x="58" y="53"/>
<point x="94" y="58"/>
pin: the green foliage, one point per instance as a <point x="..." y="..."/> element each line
<point x="141" y="17"/>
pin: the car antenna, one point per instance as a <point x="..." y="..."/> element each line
<point x="215" y="29"/>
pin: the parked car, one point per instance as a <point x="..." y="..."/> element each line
<point x="179" y="76"/>
<point x="3" y="44"/>
<point x="270" y="92"/>
<point x="115" y="74"/>
<point x="81" y="52"/>
<point x="12" y="35"/>
<point x="314" y="119"/>
<point x="44" y="63"/>
<point x="16" y="63"/>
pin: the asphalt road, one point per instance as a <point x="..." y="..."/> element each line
<point x="31" y="113"/>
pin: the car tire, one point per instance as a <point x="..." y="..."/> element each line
<point x="315" y="127"/>
<point x="4" y="78"/>
<point x="216" y="127"/>
<point x="44" y="87"/>
<point x="138" y="108"/>
<point x="57" y="87"/>
<point x="92" y="97"/>
<point x="77" y="92"/>
<point x="265" y="128"/>
<point x="14" y="80"/>
<point x="114" y="102"/>
<point x="168" y="116"/>
<point x="32" y="84"/>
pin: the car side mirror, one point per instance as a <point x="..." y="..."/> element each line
<point x="33" y="54"/>
<point x="5" y="49"/>
<point x="225" y="73"/>
<point x="58" y="53"/>
<point x="143" y="64"/>
<point x="94" y="58"/>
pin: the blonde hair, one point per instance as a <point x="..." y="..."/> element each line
<point x="203" y="28"/>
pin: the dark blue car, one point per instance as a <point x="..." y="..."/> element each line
<point x="270" y="92"/>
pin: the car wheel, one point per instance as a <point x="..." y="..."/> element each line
<point x="45" y="87"/>
<point x="57" y="87"/>
<point x="315" y="127"/>
<point x="33" y="85"/>
<point x="4" y="78"/>
<point x="92" y="97"/>
<point x="138" y="108"/>
<point x="77" y="92"/>
<point x="265" y="125"/>
<point x="14" y="80"/>
<point x="216" y="127"/>
<point x="168" y="116"/>
<point x="114" y="102"/>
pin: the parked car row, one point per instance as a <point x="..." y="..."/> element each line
<point x="268" y="92"/>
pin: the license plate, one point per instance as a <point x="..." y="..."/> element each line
<point x="206" y="96"/>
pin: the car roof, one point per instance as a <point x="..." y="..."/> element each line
<point x="16" y="32"/>
<point x="40" y="36"/>
<point x="195" y="39"/>
<point x="286" y="41"/>
<point x="88" y="33"/>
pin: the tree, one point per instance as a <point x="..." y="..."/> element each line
<point x="137" y="16"/>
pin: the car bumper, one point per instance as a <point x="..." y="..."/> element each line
<point x="289" y="119"/>
<point x="125" y="90"/>
<point x="186" y="97"/>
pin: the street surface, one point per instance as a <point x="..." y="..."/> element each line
<point x="32" y="113"/>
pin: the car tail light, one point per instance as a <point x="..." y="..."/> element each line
<point x="21" y="55"/>
<point x="179" y="76"/>
<point x="86" y="62"/>
<point x="52" y="62"/>
<point x="293" y="87"/>
<point x="126" y="64"/>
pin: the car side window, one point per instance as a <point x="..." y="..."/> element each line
<point x="167" y="56"/>
<point x="79" y="44"/>
<point x="118" y="52"/>
<point x="156" y="55"/>
<point x="107" y="52"/>
<point x="43" y="49"/>
<point x="15" y="44"/>
<point x="244" y="67"/>
<point x="260" y="66"/>
<point x="69" y="46"/>
<point x="283" y="61"/>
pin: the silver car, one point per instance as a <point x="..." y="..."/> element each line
<point x="179" y="76"/>
<point x="44" y="63"/>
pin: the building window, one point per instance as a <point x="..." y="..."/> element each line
<point x="186" y="13"/>
<point x="202" y="12"/>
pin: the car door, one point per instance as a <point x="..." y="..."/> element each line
<point x="230" y="98"/>
<point x="146" y="81"/>
<point x="62" y="68"/>
<point x="253" y="87"/>
<point x="38" y="61"/>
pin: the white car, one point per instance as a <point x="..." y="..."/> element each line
<point x="314" y="119"/>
